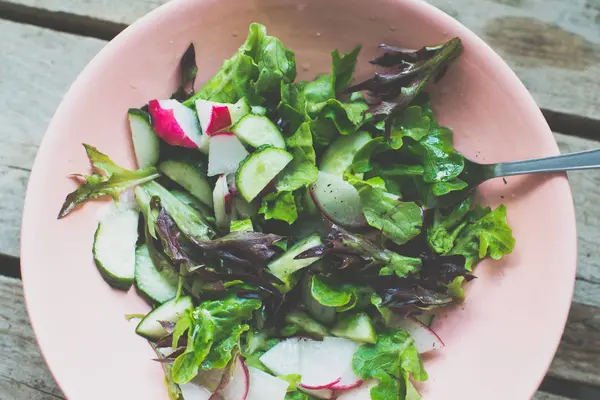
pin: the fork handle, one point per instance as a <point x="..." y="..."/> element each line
<point x="565" y="162"/>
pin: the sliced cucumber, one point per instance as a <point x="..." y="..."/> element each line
<point x="338" y="200"/>
<point x="190" y="178"/>
<point x="145" y="141"/>
<point x="285" y="266"/>
<point x="114" y="245"/>
<point x="257" y="130"/>
<point x="171" y="311"/>
<point x="357" y="327"/>
<point x="193" y="202"/>
<point x="340" y="153"/>
<point x="259" y="169"/>
<point x="258" y="110"/>
<point x="158" y="286"/>
<point x="305" y="324"/>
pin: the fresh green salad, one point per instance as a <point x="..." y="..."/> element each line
<point x="295" y="238"/>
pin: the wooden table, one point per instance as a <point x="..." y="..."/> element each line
<point x="553" y="46"/>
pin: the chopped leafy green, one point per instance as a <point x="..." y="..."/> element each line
<point x="214" y="330"/>
<point x="302" y="171"/>
<point x="293" y="379"/>
<point x="279" y="205"/>
<point x="392" y="360"/>
<point x="342" y="69"/>
<point x="297" y="395"/>
<point x="108" y="179"/>
<point x="241" y="225"/>
<point x="298" y="322"/>
<point x="330" y="294"/>
<point x="187" y="74"/>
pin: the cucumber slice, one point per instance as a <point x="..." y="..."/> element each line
<point x="158" y="286"/>
<point x="114" y="245"/>
<point x="193" y="202"/>
<point x="340" y="153"/>
<point x="259" y="169"/>
<point x="356" y="327"/>
<point x="171" y="311"/>
<point x="338" y="200"/>
<point x="145" y="141"/>
<point x="190" y="178"/>
<point x="285" y="266"/>
<point x="257" y="130"/>
<point x="258" y="110"/>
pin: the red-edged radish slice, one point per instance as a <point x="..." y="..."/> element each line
<point x="338" y="200"/>
<point x="319" y="394"/>
<point x="239" y="382"/>
<point x="193" y="391"/>
<point x="425" y="338"/>
<point x="343" y="350"/>
<point x="329" y="385"/>
<point x="284" y="357"/>
<point x="264" y="386"/>
<point x="322" y="364"/>
<point x="362" y="392"/>
<point x="175" y="123"/>
<point x="225" y="154"/>
<point x="215" y="117"/>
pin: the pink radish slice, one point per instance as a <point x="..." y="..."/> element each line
<point x="347" y="383"/>
<point x="193" y="391"/>
<point x="319" y="371"/>
<point x="264" y="386"/>
<point x="343" y="350"/>
<point x="284" y="357"/>
<point x="239" y="382"/>
<point x="362" y="392"/>
<point x="225" y="154"/>
<point x="215" y="117"/>
<point x="319" y="394"/>
<point x="425" y="338"/>
<point x="220" y="194"/>
<point x="175" y="123"/>
<point x="338" y="200"/>
<point x="329" y="385"/>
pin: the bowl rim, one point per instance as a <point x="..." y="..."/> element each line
<point x="501" y="67"/>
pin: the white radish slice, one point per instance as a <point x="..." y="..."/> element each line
<point x="362" y="392"/>
<point x="344" y="353"/>
<point x="225" y="154"/>
<point x="319" y="394"/>
<point x="425" y="338"/>
<point x="215" y="117"/>
<point x="284" y="357"/>
<point x="319" y="366"/>
<point x="239" y="382"/>
<point x="193" y="391"/>
<point x="264" y="386"/>
<point x="338" y="200"/>
<point x="220" y="197"/>
<point x="175" y="123"/>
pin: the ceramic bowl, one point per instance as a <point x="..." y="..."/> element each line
<point x="499" y="344"/>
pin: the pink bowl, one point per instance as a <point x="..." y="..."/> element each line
<point x="498" y="344"/>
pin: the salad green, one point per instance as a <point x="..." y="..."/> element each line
<point x="285" y="219"/>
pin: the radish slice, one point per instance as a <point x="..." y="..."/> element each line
<point x="425" y="338"/>
<point x="175" y="123"/>
<point x="338" y="200"/>
<point x="344" y="352"/>
<point x="215" y="117"/>
<point x="239" y="382"/>
<point x="320" y="372"/>
<point x="363" y="392"/>
<point x="329" y="385"/>
<point x="220" y="195"/>
<point x="192" y="391"/>
<point x="284" y="357"/>
<point x="319" y="394"/>
<point x="225" y="154"/>
<point x="264" y="386"/>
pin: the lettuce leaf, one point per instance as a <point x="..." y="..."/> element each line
<point x="302" y="170"/>
<point x="330" y="294"/>
<point x="213" y="329"/>
<point x="187" y="74"/>
<point x="108" y="179"/>
<point x="392" y="360"/>
<point x="342" y="69"/>
<point x="279" y="205"/>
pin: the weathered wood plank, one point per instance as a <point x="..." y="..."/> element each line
<point x="542" y="40"/>
<point x="23" y="373"/>
<point x="38" y="66"/>
<point x="24" y="376"/>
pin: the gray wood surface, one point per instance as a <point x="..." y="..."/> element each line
<point x="542" y="40"/>
<point x="24" y="376"/>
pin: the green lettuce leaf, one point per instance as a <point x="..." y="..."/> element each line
<point x="342" y="69"/>
<point x="392" y="360"/>
<point x="487" y="234"/>
<point x="446" y="226"/>
<point x="329" y="294"/>
<point x="213" y="331"/>
<point x="108" y="179"/>
<point x="241" y="225"/>
<point x="297" y="395"/>
<point x="279" y="205"/>
<point x="302" y="170"/>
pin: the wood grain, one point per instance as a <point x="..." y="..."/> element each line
<point x="24" y="375"/>
<point x="542" y="40"/>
